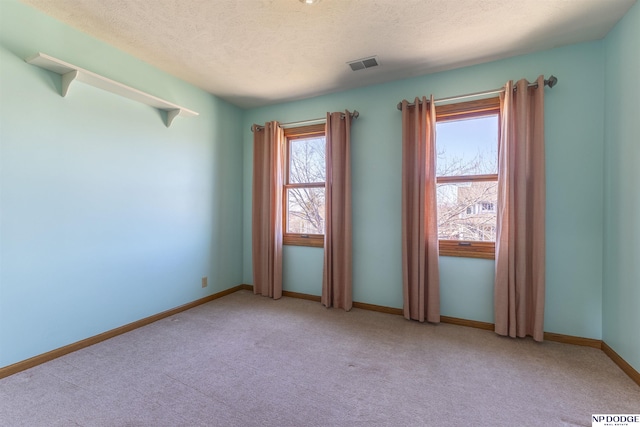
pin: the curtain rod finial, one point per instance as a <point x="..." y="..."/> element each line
<point x="552" y="81"/>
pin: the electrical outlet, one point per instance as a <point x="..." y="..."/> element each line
<point x="204" y="282"/>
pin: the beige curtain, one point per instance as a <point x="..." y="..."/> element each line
<point x="420" y="273"/>
<point x="520" y="240"/>
<point x="337" y="275"/>
<point x="268" y="167"/>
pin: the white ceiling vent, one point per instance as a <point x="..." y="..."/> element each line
<point x="361" y="64"/>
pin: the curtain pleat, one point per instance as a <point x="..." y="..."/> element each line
<point x="268" y="166"/>
<point x="420" y="271"/>
<point x="337" y="272"/>
<point x="520" y="240"/>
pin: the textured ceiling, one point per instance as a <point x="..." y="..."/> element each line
<point x="259" y="52"/>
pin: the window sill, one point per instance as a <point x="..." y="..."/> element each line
<point x="466" y="249"/>
<point x="314" y="241"/>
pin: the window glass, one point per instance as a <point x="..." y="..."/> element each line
<point x="307" y="160"/>
<point x="466" y="210"/>
<point x="467" y="146"/>
<point x="305" y="210"/>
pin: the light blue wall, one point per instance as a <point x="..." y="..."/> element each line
<point x="621" y="284"/>
<point x="107" y="216"/>
<point x="574" y="134"/>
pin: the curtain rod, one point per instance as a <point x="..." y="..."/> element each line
<point x="317" y="121"/>
<point x="551" y="82"/>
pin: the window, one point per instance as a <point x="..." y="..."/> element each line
<point x="304" y="188"/>
<point x="467" y="177"/>
<point x="487" y="207"/>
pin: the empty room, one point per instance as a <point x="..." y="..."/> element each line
<point x="319" y="213"/>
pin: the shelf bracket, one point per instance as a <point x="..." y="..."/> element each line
<point x="67" y="79"/>
<point x="172" y="114"/>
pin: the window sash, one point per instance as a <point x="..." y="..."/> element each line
<point x="459" y="111"/>
<point x="466" y="178"/>
<point x="299" y="239"/>
<point x="467" y="249"/>
<point x="286" y="207"/>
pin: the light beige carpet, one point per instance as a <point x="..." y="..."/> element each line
<point x="246" y="360"/>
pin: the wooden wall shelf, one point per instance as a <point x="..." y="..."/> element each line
<point x="70" y="73"/>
